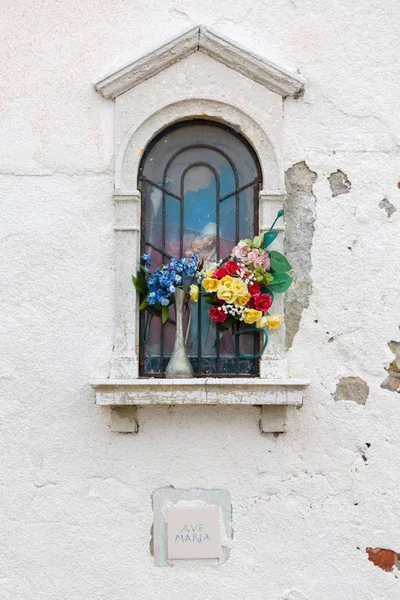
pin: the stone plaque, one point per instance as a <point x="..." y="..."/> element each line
<point x="193" y="532"/>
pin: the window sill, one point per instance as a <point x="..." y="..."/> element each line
<point x="273" y="395"/>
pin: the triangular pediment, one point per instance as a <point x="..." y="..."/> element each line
<point x="201" y="39"/>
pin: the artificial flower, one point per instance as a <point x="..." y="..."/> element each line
<point x="227" y="281"/>
<point x="231" y="267"/>
<point x="254" y="288"/>
<point x="252" y="256"/>
<point x="272" y="321"/>
<point x="240" y="251"/>
<point x="243" y="299"/>
<point x="194" y="293"/>
<point x="250" y="315"/>
<point x="262" y="261"/>
<point x="217" y="314"/>
<point x="239" y="286"/>
<point x="209" y="272"/>
<point x="210" y="284"/>
<point x="262" y="302"/>
<point x="220" y="273"/>
<point x="226" y="294"/>
<point x="261" y="323"/>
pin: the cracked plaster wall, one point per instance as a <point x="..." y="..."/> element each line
<point x="76" y="498"/>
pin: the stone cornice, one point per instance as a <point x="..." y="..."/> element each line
<point x="201" y="39"/>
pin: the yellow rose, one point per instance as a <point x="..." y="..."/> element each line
<point x="226" y="294"/>
<point x="194" y="293"/>
<point x="227" y="281"/>
<point x="210" y="285"/>
<point x="261" y="323"/>
<point x="243" y="299"/>
<point x="271" y="321"/>
<point x="209" y="272"/>
<point x="239" y="286"/>
<point x="250" y="315"/>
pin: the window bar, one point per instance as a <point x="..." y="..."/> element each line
<point x="241" y="189"/>
<point x="162" y="188"/>
<point x="162" y="330"/>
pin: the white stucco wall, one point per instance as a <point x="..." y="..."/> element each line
<point x="75" y="499"/>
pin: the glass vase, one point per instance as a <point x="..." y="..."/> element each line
<point x="179" y="366"/>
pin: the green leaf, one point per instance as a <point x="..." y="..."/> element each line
<point x="228" y="322"/>
<point x="164" y="313"/>
<point x="143" y="305"/>
<point x="140" y="283"/>
<point x="279" y="262"/>
<point x="269" y="237"/>
<point x="257" y="241"/>
<point x="280" y="283"/>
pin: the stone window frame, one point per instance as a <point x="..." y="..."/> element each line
<point x="205" y="71"/>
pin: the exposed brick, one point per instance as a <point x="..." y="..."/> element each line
<point x="383" y="558"/>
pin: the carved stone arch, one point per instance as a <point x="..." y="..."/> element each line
<point x="140" y="135"/>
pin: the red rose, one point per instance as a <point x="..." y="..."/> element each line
<point x="220" y="273"/>
<point x="217" y="314"/>
<point x="231" y="267"/>
<point x="254" y="289"/>
<point x="262" y="302"/>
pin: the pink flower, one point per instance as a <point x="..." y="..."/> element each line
<point x="253" y="256"/>
<point x="240" y="251"/>
<point x="262" y="261"/>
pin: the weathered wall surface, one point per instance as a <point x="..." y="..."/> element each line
<point x="75" y="498"/>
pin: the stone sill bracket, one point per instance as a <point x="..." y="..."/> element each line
<point x="274" y="396"/>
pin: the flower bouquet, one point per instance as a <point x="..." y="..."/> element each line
<point x="168" y="285"/>
<point x="159" y="287"/>
<point x="242" y="287"/>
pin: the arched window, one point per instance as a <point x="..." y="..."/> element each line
<point x="199" y="182"/>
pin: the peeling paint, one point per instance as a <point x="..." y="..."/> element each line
<point x="351" y="389"/>
<point x="387" y="206"/>
<point x="300" y="214"/>
<point x="339" y="183"/>
<point x="392" y="382"/>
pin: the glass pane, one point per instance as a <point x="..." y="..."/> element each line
<point x="186" y="136"/>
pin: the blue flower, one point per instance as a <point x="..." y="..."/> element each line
<point x="151" y="299"/>
<point x="152" y="284"/>
<point x="146" y="259"/>
<point x="164" y="301"/>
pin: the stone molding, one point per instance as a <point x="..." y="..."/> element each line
<point x="201" y="39"/>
